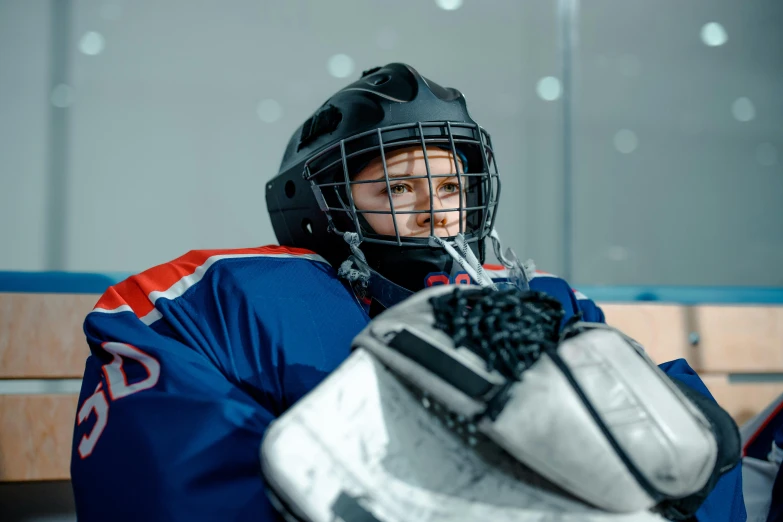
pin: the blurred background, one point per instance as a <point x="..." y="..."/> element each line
<point x="640" y="142"/>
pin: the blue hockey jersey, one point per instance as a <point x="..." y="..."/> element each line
<point x="190" y="362"/>
<point x="765" y="444"/>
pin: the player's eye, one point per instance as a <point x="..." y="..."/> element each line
<point x="451" y="187"/>
<point x="398" y="189"/>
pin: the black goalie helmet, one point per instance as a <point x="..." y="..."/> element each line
<point x="311" y="201"/>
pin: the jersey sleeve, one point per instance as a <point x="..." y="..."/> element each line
<point x="762" y="469"/>
<point x="590" y="311"/>
<point x="162" y="434"/>
<point x="190" y="362"/>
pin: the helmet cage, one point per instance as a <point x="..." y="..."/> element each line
<point x="330" y="174"/>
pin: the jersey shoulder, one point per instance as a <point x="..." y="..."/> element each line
<point x="547" y="282"/>
<point x="242" y="271"/>
<point x="539" y="281"/>
<point x="571" y="298"/>
<point x="573" y="301"/>
<point x="276" y="319"/>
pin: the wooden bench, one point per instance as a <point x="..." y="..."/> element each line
<point x="737" y="349"/>
<point x="42" y="349"/>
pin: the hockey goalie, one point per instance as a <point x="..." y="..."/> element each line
<point x="471" y="404"/>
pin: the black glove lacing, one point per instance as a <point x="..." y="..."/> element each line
<point x="508" y="328"/>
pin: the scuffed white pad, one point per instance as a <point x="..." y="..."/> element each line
<point x="362" y="436"/>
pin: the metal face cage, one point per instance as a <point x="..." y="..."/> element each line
<point x="331" y="175"/>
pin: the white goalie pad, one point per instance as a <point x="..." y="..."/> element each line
<point x="595" y="416"/>
<point x="363" y="448"/>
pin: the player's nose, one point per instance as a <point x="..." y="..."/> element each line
<point x="434" y="214"/>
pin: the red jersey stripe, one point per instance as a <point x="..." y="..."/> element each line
<point x="134" y="291"/>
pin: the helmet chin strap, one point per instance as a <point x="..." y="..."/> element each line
<point x="366" y="281"/>
<point x="355" y="269"/>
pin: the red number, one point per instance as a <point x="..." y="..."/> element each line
<point x="462" y="279"/>
<point x="441" y="278"/>
<point x="436" y="279"/>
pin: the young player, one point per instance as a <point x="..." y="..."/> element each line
<point x="388" y="188"/>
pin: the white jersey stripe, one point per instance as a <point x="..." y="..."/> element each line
<point x="123" y="308"/>
<point x="181" y="286"/>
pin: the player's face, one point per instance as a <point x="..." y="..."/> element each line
<point x="412" y="194"/>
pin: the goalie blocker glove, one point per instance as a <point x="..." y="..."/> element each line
<point x="585" y="408"/>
